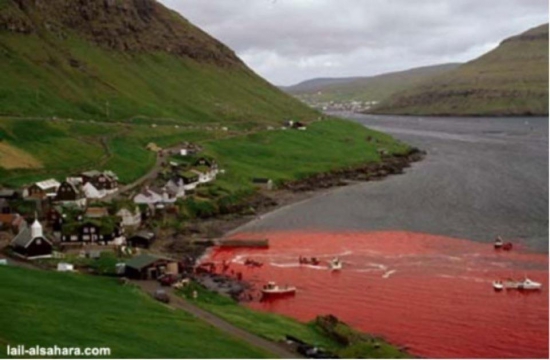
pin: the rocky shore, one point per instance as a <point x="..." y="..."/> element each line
<point x="198" y="235"/>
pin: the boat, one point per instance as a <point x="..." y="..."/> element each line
<point x="335" y="264"/>
<point x="508" y="246"/>
<point x="498" y="285"/>
<point x="528" y="284"/>
<point x="498" y="242"/>
<point x="272" y="289"/>
<point x="525" y="284"/>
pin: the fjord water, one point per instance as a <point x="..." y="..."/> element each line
<point x="417" y="248"/>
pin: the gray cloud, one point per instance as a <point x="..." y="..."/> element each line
<point x="287" y="41"/>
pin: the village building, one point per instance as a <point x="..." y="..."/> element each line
<point x="93" y="232"/>
<point x="264" y="183"/>
<point x="150" y="267"/>
<point x="205" y="173"/>
<point x="96" y="212"/>
<point x="148" y="197"/>
<point x="105" y="182"/>
<point x="9" y="194"/>
<point x="31" y="243"/>
<point x="142" y="239"/>
<point x="68" y="193"/>
<point x="42" y="190"/>
<point x="130" y="218"/>
<point x="91" y="192"/>
<point x="175" y="189"/>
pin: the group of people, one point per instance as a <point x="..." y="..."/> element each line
<point x="310" y="261"/>
<point x="499" y="244"/>
<point x="252" y="263"/>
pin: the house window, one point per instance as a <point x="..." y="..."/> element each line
<point x="86" y="237"/>
<point x="92" y="230"/>
<point x="86" y="230"/>
<point x="38" y="242"/>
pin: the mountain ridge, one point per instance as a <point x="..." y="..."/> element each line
<point x="510" y="80"/>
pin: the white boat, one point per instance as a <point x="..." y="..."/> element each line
<point x="528" y="284"/>
<point x="335" y="264"/>
<point x="525" y="284"/>
<point x="498" y="285"/>
<point x="498" y="242"/>
<point x="272" y="289"/>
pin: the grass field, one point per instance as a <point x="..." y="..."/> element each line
<point x="292" y="154"/>
<point x="47" y="308"/>
<point x="68" y="147"/>
<point x="276" y="327"/>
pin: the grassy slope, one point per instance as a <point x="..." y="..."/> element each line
<point x="47" y="309"/>
<point x="65" y="148"/>
<point x="292" y="154"/>
<point x="38" y="81"/>
<point x="510" y="80"/>
<point x="276" y="327"/>
<point x="374" y="88"/>
<point x="68" y="147"/>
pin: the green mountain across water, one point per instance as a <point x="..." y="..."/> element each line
<point x="510" y="80"/>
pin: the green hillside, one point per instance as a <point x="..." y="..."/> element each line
<point x="112" y="60"/>
<point x="70" y="310"/>
<point x="372" y="88"/>
<point x="510" y="80"/>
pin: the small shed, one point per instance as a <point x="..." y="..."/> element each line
<point x="142" y="239"/>
<point x="64" y="267"/>
<point x="149" y="266"/>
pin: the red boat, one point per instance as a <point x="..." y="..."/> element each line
<point x="507" y="246"/>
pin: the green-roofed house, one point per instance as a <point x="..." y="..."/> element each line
<point x="150" y="267"/>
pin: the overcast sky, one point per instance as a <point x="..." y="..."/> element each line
<point x="288" y="41"/>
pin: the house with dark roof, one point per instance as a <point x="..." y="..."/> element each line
<point x="150" y="267"/>
<point x="31" y="243"/>
<point x="142" y="239"/>
<point x="105" y="182"/>
<point x="69" y="193"/>
<point x="42" y="189"/>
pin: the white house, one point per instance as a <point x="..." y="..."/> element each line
<point x="92" y="192"/>
<point x="130" y="218"/>
<point x="148" y="196"/>
<point x="176" y="190"/>
<point x="205" y="174"/>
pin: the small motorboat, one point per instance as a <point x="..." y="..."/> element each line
<point x="498" y="242"/>
<point x="272" y="289"/>
<point x="525" y="284"/>
<point x="335" y="264"/>
<point x="528" y="284"/>
<point x="498" y="285"/>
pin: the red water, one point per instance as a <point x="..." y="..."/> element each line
<point x="430" y="293"/>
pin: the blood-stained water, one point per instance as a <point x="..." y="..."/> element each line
<point x="430" y="293"/>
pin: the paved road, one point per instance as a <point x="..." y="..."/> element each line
<point x="180" y="303"/>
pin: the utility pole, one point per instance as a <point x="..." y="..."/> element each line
<point x="107" y="109"/>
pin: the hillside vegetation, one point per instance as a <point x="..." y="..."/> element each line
<point x="122" y="59"/>
<point x="372" y="88"/>
<point x="68" y="310"/>
<point x="510" y="80"/>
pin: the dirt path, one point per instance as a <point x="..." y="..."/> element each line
<point x="180" y="303"/>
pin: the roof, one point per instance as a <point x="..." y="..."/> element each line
<point x="144" y="234"/>
<point x="24" y="238"/>
<point x="142" y="261"/>
<point x="91" y="173"/>
<point x="7" y="193"/>
<point x="48" y="184"/>
<point x="96" y="212"/>
<point x="188" y="174"/>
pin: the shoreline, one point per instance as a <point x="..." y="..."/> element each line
<point x="199" y="234"/>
